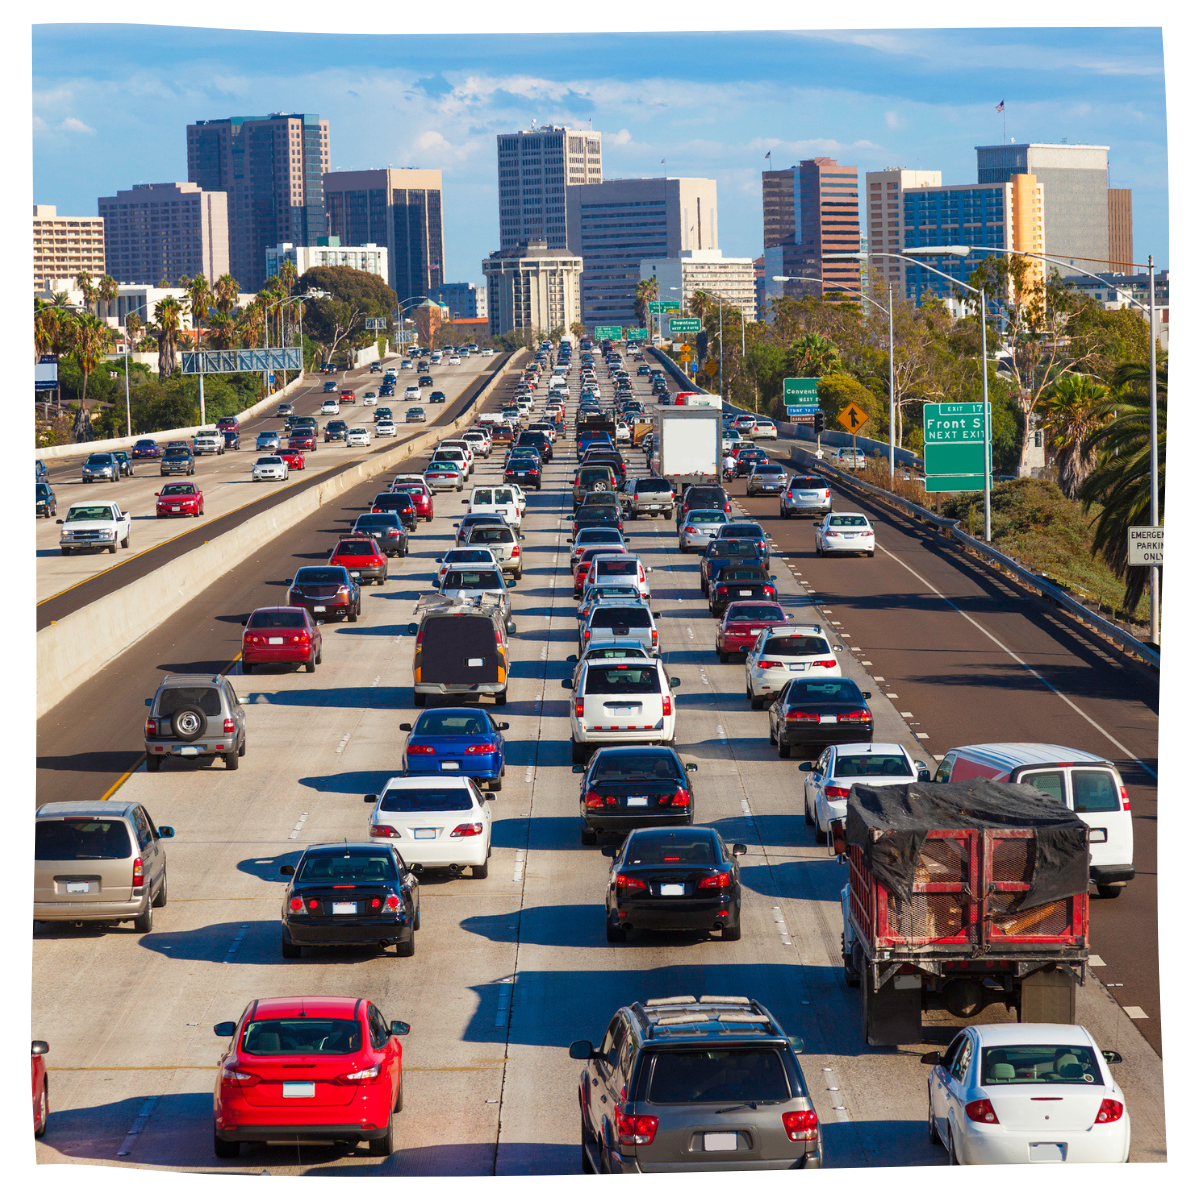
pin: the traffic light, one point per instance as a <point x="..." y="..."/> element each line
<point x="818" y="423"/>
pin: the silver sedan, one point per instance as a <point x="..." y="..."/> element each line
<point x="699" y="528"/>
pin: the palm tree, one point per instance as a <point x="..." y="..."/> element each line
<point x="107" y="290"/>
<point x="250" y="324"/>
<point x="199" y="301"/>
<point x="168" y="313"/>
<point x="88" y="338"/>
<point x="1073" y="409"/>
<point x="133" y="325"/>
<point x="646" y="290"/>
<point x="222" y="330"/>
<point x="699" y="302"/>
<point x="287" y="275"/>
<point x="46" y="320"/>
<point x="83" y="281"/>
<point x="225" y="292"/>
<point x="578" y="329"/>
<point x="812" y="356"/>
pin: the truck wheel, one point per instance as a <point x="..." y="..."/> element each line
<point x="66" y="551"/>
<point x="1109" y="891"/>
<point x="125" y="541"/>
<point x="501" y="698"/>
<point x="113" y="548"/>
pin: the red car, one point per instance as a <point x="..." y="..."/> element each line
<point x="743" y="621"/>
<point x="41" y="1087"/>
<point x="302" y="440"/>
<point x="308" y="1068"/>
<point x="418" y="489"/>
<point x="179" y="500"/>
<point x="227" y="423"/>
<point x="346" y="397"/>
<point x="293" y="456"/>
<point x="362" y="557"/>
<point x="280" y="635"/>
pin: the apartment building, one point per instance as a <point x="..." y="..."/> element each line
<point x="328" y="252"/>
<point x="884" y="218"/>
<point x="532" y="286"/>
<point x="64" y="246"/>
<point x="463" y="300"/>
<point x="709" y="271"/>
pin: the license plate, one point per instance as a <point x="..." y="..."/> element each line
<point x="318" y="608"/>
<point x="275" y="641"/>
<point x="355" y="574"/>
<point x="744" y="591"/>
<point x="176" y="508"/>
<point x="190" y="751"/>
<point x="637" y="801"/>
<point x="424" y="835"/>
<point x="1047" y="1152"/>
<point x="295" y="1090"/>
<point x="670" y="889"/>
<point x="720" y="1141"/>
<point x="797" y="666"/>
<point x="829" y="719"/>
<point x="79" y="887"/>
<point x="342" y="907"/>
<point x="450" y="766"/>
<point x="618" y="712"/>
<point x="474" y="662"/>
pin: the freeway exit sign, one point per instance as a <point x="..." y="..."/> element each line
<point x="800" y="391"/>
<point x="684" y="324"/>
<point x="663" y="306"/>
<point x="608" y="331"/>
<point x="956" y="447"/>
<point x="635" y="335"/>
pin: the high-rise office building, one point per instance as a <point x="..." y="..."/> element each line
<point x="534" y="169"/>
<point x="1075" y="183"/>
<point x="463" y="300"/>
<point x="1120" y="229"/>
<point x="532" y="287"/>
<point x="709" y="271"/>
<point x="160" y="231"/>
<point x="884" y="217"/>
<point x="397" y="208"/>
<point x="271" y="169"/>
<point x="64" y="246"/>
<point x="614" y="225"/>
<point x="810" y="211"/>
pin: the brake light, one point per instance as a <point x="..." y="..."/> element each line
<point x="631" y="883"/>
<point x="392" y="902"/>
<point x="151" y="728"/>
<point x="654" y="637"/>
<point x="469" y="830"/>
<point x="768" y="664"/>
<point x="579" y="708"/>
<point x="1110" y="1110"/>
<point x="801" y="1126"/>
<point x="139" y="876"/>
<point x="794" y="714"/>
<point x="1124" y="798"/>
<point x="859" y="716"/>
<point x="484" y="748"/>
<point x="983" y="1112"/>
<point x="229" y="725"/>
<point x="680" y="799"/>
<point x="721" y="879"/>
<point x="231" y="1074"/>
<point x="353" y="1077"/>
<point x="722" y="589"/>
<point x="383" y="831"/>
<point x="836" y="793"/>
<point x="516" y="552"/>
<point x="418" y="749"/>
<point x="592" y="800"/>
<point x="587" y="633"/>
<point x="296" y="904"/>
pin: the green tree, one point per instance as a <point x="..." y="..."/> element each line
<point x="645" y="291"/>
<point x="836" y="390"/>
<point x="225" y="293"/>
<point x="107" y="290"/>
<point x="1072" y="410"/>
<point x="353" y="296"/>
<point x="811" y="356"/>
<point x="89" y="335"/>
<point x="167" y="317"/>
<point x="83" y="281"/>
<point x="199" y="300"/>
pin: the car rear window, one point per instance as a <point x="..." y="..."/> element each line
<point x="302" y="1035"/>
<point x="809" y="483"/>
<point x="426" y="799"/>
<point x="622" y="680"/>
<point x="354" y="548"/>
<point x="718" y="1076"/>
<point x="206" y="699"/>
<point x="769" y="469"/>
<point x="1039" y="1064"/>
<point x="80" y="838"/>
<point x="276" y="620"/>
<point x="618" y="567"/>
<point x="630" y="616"/>
<point x="474" y="580"/>
<point x="451" y="724"/>
<point x="653" y="485"/>
<point x="492" y="533"/>
<point x="652" y="848"/>
<point x="841" y="690"/>
<point x="353" y="866"/>
<point x="789" y="646"/>
<point x="741" y="611"/>
<point x="1095" y="791"/>
<point x="837" y="522"/>
<point x="632" y="768"/>
<point x="848" y="765"/>
<point x="321" y="575"/>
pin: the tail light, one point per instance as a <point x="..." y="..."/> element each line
<point x="769" y="590"/>
<point x="139" y="873"/>
<point x="641" y="573"/>
<point x="631" y="883"/>
<point x="1124" y="798"/>
<point x="151" y="728"/>
<point x="579" y="708"/>
<point x="721" y="590"/>
<point x="1110" y="1110"/>
<point x="364" y="1076"/>
<point x="768" y="664"/>
<point x="420" y="636"/>
<point x="472" y="829"/>
<point x="801" y="1126"/>
<point x="858" y="717"/>
<point x="229" y="725"/>
<point x="795" y="714"/>
<point x="836" y="793"/>
<point x="690" y="529"/>
<point x="384" y="831"/>
<point x="826" y="662"/>
<point x="587" y="633"/>
<point x="391" y="902"/>
<point x="666" y="705"/>
<point x="300" y="638"/>
<point x="484" y="748"/>
<point x="296" y="904"/>
<point x="418" y="749"/>
<point x="516" y="552"/>
<point x="252" y="639"/>
<point x="983" y="1112"/>
<point x="680" y="799"/>
<point x="231" y="1074"/>
<point x="592" y="800"/>
<point x="719" y="880"/>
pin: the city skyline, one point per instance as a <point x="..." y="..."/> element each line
<point x="928" y="99"/>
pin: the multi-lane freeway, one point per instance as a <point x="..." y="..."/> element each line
<point x="510" y="969"/>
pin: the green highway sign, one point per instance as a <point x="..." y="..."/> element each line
<point x="684" y="324"/>
<point x="799" y="391"/>
<point x="635" y="335"/>
<point x="663" y="306"/>
<point x="608" y="331"/>
<point x="956" y="447"/>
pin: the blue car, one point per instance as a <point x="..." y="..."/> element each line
<point x="456" y="741"/>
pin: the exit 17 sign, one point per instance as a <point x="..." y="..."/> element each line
<point x="956" y="447"/>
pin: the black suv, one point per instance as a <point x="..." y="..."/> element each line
<point x="681" y="1084"/>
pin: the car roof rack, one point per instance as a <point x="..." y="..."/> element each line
<point x="435" y="602"/>
<point x="685" y="1015"/>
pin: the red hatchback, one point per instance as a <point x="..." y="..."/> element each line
<point x="362" y="557"/>
<point x="743" y="621"/>
<point x="280" y="635"/>
<point x="179" y="500"/>
<point x="293" y="456"/>
<point x="346" y="397"/>
<point x="308" y="1068"/>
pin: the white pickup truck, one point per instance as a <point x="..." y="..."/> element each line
<point x="99" y="526"/>
<point x="208" y="441"/>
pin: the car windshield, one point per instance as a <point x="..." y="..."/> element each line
<point x="354" y="548"/>
<point x="206" y="699"/>
<point x="835" y="522"/>
<point x="718" y="1076"/>
<point x="80" y="838"/>
<point x="426" y="799"/>
<point x="321" y="575"/>
<point x="273" y="461"/>
<point x="492" y="533"/>
<point x="178" y="489"/>
<point x="705" y="516"/>
<point x="145" y="442"/>
<point x="632" y="768"/>
<point x="489" y="581"/>
<point x="841" y="690"/>
<point x="648" y="848"/>
<point x="275" y="619"/>
<point x="848" y="765"/>
<point x="99" y="460"/>
<point x="302" y="1035"/>
<point x="89" y="512"/>
<point x="1039" y="1064"/>
<point x="622" y="680"/>
<point x="350" y="866"/>
<point x="795" y="646"/>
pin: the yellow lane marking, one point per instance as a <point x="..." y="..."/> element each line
<point x="122" y="779"/>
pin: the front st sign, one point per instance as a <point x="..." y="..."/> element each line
<point x="956" y="447"/>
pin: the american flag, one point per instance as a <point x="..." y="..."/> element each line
<point x="768" y="154"/>
<point x="1000" y="106"/>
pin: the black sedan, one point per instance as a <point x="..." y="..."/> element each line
<point x="725" y="552"/>
<point x="177" y="462"/>
<point x="350" y="894"/>
<point x="630" y="787"/>
<point x="670" y="878"/>
<point x="747" y="460"/>
<point x="47" y="502"/>
<point x="335" y="431"/>
<point x="326" y="592"/>
<point x="425" y="381"/>
<point x="399" y="504"/>
<point x="435" y="397"/>
<point x="598" y="516"/>
<point x="739" y="582"/>
<point x="525" y="470"/>
<point x="387" y="529"/>
<point x="820" y="712"/>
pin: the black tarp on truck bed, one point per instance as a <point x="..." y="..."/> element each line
<point x="889" y="825"/>
<point x="459" y="648"/>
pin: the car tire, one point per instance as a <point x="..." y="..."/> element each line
<point x="125" y="542"/>
<point x="613" y="934"/>
<point x="495" y="785"/>
<point x="113" y="548"/>
<point x="39" y="1130"/>
<point x="870" y="553"/>
<point x="352" y="617"/>
<point x="951" y="1153"/>
<point x="1109" y="891"/>
<point x="144" y="921"/>
<point x="931" y="1130"/>
<point x="66" y="551"/>
<point x="160" y="899"/>
<point x="756" y="703"/>
<point x="480" y="872"/>
<point x="579" y="752"/>
<point x="224" y="1149"/>
<point x="722" y="656"/>
<point x="732" y="933"/>
<point x="232" y="761"/>
<point x="785" y="751"/>
<point x="419" y="699"/>
<point x="384" y="1145"/>
<point x="819" y="835"/>
<point x="585" y="1159"/>
<point x="409" y="948"/>
<point x="587" y="837"/>
<point x="242" y="749"/>
<point x="310" y="666"/>
<point x="771" y="733"/>
<point x="288" y="949"/>
<point x="808" y="817"/>
<point x="154" y="761"/>
<point x="247" y="668"/>
<point x="177" y="723"/>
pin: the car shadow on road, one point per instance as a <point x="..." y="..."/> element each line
<point x="99" y="761"/>
<point x="799" y="879"/>
<point x="267" y="869"/>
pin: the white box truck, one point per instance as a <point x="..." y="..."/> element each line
<point x="687" y="445"/>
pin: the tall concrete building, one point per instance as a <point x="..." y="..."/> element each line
<point x="64" y="246"/>
<point x="1120" y="229"/>
<point x="884" y="217"/>
<point x="271" y="169"/>
<point x="533" y="287"/>
<point x="160" y="231"/>
<point x="534" y="169"/>
<point x="1075" y="182"/>
<point x="731" y="279"/>
<point x="397" y="208"/>
<point x="810" y="210"/>
<point x="616" y="224"/>
<point x="462" y="300"/>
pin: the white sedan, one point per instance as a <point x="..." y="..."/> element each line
<point x="455" y="360"/>
<point x="1026" y="1093"/>
<point x="412" y="392"/>
<point x="370" y="398"/>
<point x="845" y="533"/>
<point x="486" y="353"/>
<point x="270" y="466"/>
<point x="330" y="408"/>
<point x="359" y="436"/>
<point x="828" y="781"/>
<point x="434" y="821"/>
<point x="385" y="428"/>
<point x="782" y="652"/>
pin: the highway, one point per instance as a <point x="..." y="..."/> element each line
<point x="510" y="969"/>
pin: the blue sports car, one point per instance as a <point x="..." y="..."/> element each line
<point x="456" y="741"/>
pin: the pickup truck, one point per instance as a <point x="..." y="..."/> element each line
<point x="208" y="441"/>
<point x="100" y="526"/>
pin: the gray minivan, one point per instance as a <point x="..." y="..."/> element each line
<point x="98" y="862"/>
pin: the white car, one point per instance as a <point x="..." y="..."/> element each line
<point x="486" y="353"/>
<point x="850" y="460"/>
<point x="585" y="539"/>
<point x="622" y="432"/>
<point x="406" y="364"/>
<point x="765" y="429"/>
<point x="465" y="447"/>
<point x="828" y="781"/>
<point x="619" y="703"/>
<point x="471" y="556"/>
<point x="479" y="441"/>
<point x="1026" y="1093"/>
<point x="412" y="392"/>
<point x="270" y="466"/>
<point x="455" y="360"/>
<point x="385" y="428"/>
<point x="602" y="593"/>
<point x="358" y="436"/>
<point x="501" y="500"/>
<point x="619" y="568"/>
<point x="432" y="820"/>
<point x="330" y="408"/>
<point x="845" y="533"/>
<point x="370" y="398"/>
<point x="782" y="652"/>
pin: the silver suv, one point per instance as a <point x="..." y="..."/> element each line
<point x="193" y="717"/>
<point x="101" y="466"/>
<point x="101" y="861"/>
<point x="695" y="1085"/>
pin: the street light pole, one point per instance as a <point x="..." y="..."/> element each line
<point x="1154" y="514"/>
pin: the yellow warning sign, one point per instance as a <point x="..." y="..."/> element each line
<point x="685" y="355"/>
<point x="711" y="367"/>
<point x="853" y="418"/>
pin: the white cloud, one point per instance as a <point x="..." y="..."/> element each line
<point x="620" y="138"/>
<point x="893" y="120"/>
<point x="74" y="125"/>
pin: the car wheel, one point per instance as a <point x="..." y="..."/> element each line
<point x="495" y="785"/>
<point x="480" y="872"/>
<point x="1109" y="891"/>
<point x="785" y="751"/>
<point x="951" y="1153"/>
<point x="808" y="817"/>
<point x="232" y="761"/>
<point x="144" y="921"/>
<point x="160" y="899"/>
<point x="224" y="1149"/>
<point x="579" y="751"/>
<point x="409" y="948"/>
<point x="242" y="749"/>
<point x="756" y="703"/>
<point x="39" y="1130"/>
<point x="723" y="656"/>
<point x="125" y="542"/>
<point x="501" y="698"/>
<point x="419" y="699"/>
<point x="188" y="724"/>
<point x="113" y="548"/>
<point x="732" y="933"/>
<point x="587" y="837"/>
<point x="153" y="761"/>
<point x="310" y="666"/>
<point x="288" y="949"/>
<point x="771" y="733"/>
<point x="585" y="1160"/>
<point x="613" y="934"/>
<point x="66" y="552"/>
<point x="819" y="835"/>
<point x="870" y="553"/>
<point x="931" y="1131"/>
<point x="384" y="1145"/>
<point x="247" y="667"/>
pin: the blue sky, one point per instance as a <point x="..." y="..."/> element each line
<point x="110" y="105"/>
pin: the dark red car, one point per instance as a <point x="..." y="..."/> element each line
<point x="179" y="500"/>
<point x="41" y="1087"/>
<point x="362" y="557"/>
<point x="346" y="397"/>
<point x="227" y="423"/>
<point x="302" y="439"/>
<point x="293" y="455"/>
<point x="308" y="1067"/>
<point x="743" y="621"/>
<point x="418" y="490"/>
<point x="280" y="635"/>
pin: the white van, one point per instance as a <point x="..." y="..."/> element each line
<point x="1087" y="784"/>
<point x="501" y="500"/>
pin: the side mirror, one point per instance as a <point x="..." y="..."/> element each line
<point x="572" y="658"/>
<point x="245" y="620"/>
<point x="58" y="522"/>
<point x="166" y="831"/>
<point x="464" y="502"/>
<point x="510" y="583"/>
<point x="406" y="726"/>
<point x="412" y="628"/>
<point x="149" y="701"/>
<point x="797" y="1044"/>
<point x="739" y="849"/>
<point x="400" y="1028"/>
<point x="609" y="851"/>
<point x="923" y="777"/>
<point x="287" y="869"/>
<point x="866" y="695"/>
<point x="521" y="536"/>
<point x="44" y="1048"/>
<point x="690" y="767"/>
<point x="243" y="699"/>
<point x="158" y="493"/>
<point x="1111" y="1056"/>
<point x="840" y="648"/>
<point x="816" y="524"/>
<point x="371" y="799"/>
<point x="502" y="725"/>
<point x="510" y="627"/>
<point x="225" y="1029"/>
<point x="578" y="769"/>
<point x="674" y="681"/>
<point x="288" y="582"/>
<point x="582" y="1050"/>
<point x="656" y="615"/>
<point x="932" y="1059"/>
<point x="804" y="766"/>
